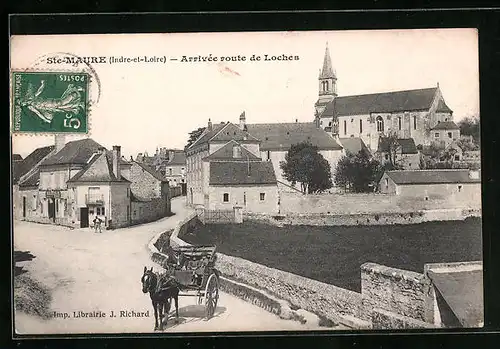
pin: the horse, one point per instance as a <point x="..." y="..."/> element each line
<point x="161" y="288"/>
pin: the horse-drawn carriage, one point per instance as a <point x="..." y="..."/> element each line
<point x="193" y="267"/>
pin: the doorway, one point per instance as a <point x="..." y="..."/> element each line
<point x="52" y="210"/>
<point x="84" y="217"/>
<point x="24" y="206"/>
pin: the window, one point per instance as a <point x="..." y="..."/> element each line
<point x="399" y="123"/>
<point x="387" y="156"/>
<point x="459" y="188"/>
<point x="128" y="192"/>
<point x="268" y="155"/>
<point x="170" y="171"/>
<point x="457" y="157"/>
<point x="360" y="126"/>
<point x="244" y="198"/>
<point x="380" y="124"/>
<point x="386" y="183"/>
<point x="450" y="135"/>
<point x="436" y="135"/>
<point x="330" y="123"/>
<point x="414" y="122"/>
<point x="262" y="196"/>
<point x="34" y="203"/>
<point x="345" y="127"/>
<point x="236" y="151"/>
<point x="225" y="197"/>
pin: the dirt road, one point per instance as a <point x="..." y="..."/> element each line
<point x="101" y="273"/>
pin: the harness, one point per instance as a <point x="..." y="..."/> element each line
<point x="164" y="282"/>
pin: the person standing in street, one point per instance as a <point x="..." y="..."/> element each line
<point x="97" y="224"/>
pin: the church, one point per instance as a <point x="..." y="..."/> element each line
<point x="419" y="115"/>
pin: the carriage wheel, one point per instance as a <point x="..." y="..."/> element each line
<point x="211" y="295"/>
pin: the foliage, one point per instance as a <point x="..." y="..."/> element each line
<point x="466" y="144"/>
<point x="193" y="136"/>
<point x="305" y="165"/>
<point x="358" y="172"/>
<point x="393" y="147"/>
<point x="469" y="126"/>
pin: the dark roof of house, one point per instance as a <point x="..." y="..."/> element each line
<point x="431" y="176"/>
<point x="353" y="145"/>
<point x="407" y="145"/>
<point x="207" y="134"/>
<point x="242" y="173"/>
<point x="233" y="132"/>
<point x="33" y="159"/>
<point x="442" y="107"/>
<point x="157" y="175"/>
<point x="226" y="153"/>
<point x="385" y="102"/>
<point x="75" y="152"/>
<point x="446" y="125"/>
<point x="137" y="198"/>
<point x="281" y="136"/>
<point x="179" y="158"/>
<point x="17" y="157"/>
<point x="91" y="173"/>
<point x="32" y="181"/>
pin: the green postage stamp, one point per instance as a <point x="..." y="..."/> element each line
<point x="50" y="102"/>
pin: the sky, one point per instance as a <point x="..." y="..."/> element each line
<point x="143" y="106"/>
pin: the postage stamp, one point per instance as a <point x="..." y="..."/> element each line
<point x="50" y="102"/>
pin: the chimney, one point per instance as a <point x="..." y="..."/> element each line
<point x="209" y="125"/>
<point x="59" y="141"/>
<point x="242" y="121"/>
<point x="116" y="161"/>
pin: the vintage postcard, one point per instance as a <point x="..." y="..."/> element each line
<point x="315" y="180"/>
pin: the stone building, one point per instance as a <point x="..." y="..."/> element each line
<point x="404" y="152"/>
<point x="73" y="182"/>
<point x="408" y="114"/>
<point x="462" y="186"/>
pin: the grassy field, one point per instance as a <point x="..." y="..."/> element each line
<point x="334" y="254"/>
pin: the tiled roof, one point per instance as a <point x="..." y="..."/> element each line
<point x="99" y="169"/>
<point x="407" y="145"/>
<point x="446" y="125"/>
<point x="226" y="153"/>
<point x="442" y="107"/>
<point x="431" y="177"/>
<point x="232" y="132"/>
<point x="281" y="136"/>
<point x="179" y="158"/>
<point x="137" y="198"/>
<point x="353" y="145"/>
<point x="207" y="134"/>
<point x="32" y="181"/>
<point x="242" y="173"/>
<point x="17" y="157"/>
<point x="408" y="100"/>
<point x="23" y="167"/>
<point x="75" y="152"/>
<point x="157" y="175"/>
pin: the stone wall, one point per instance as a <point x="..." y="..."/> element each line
<point x="392" y="290"/>
<point x="346" y="204"/>
<point x="384" y="218"/>
<point x="148" y="211"/>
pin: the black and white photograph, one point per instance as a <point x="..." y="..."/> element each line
<point x="246" y="181"/>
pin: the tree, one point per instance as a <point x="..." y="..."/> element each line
<point x="393" y="147"/>
<point x="305" y="165"/>
<point x="469" y="126"/>
<point x="193" y="136"/>
<point x="358" y="172"/>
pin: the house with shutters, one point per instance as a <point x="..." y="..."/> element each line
<point x="414" y="113"/>
<point x="76" y="182"/>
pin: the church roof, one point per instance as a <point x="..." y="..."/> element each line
<point x="327" y="70"/>
<point x="385" y="102"/>
<point x="242" y="173"/>
<point x="442" y="107"/>
<point x="281" y="136"/>
<point x="226" y="153"/>
<point x="446" y="125"/>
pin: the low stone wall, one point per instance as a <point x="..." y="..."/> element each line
<point x="382" y="319"/>
<point x="148" y="211"/>
<point x="381" y="218"/>
<point x="66" y="222"/>
<point x="394" y="290"/>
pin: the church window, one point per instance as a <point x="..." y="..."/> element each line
<point x="268" y="155"/>
<point x="399" y="123"/>
<point x="380" y="124"/>
<point x="414" y="122"/>
<point x="360" y="126"/>
<point x="345" y="127"/>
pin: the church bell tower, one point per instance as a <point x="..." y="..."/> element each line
<point x="327" y="82"/>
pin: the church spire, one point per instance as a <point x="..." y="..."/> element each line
<point x="327" y="71"/>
